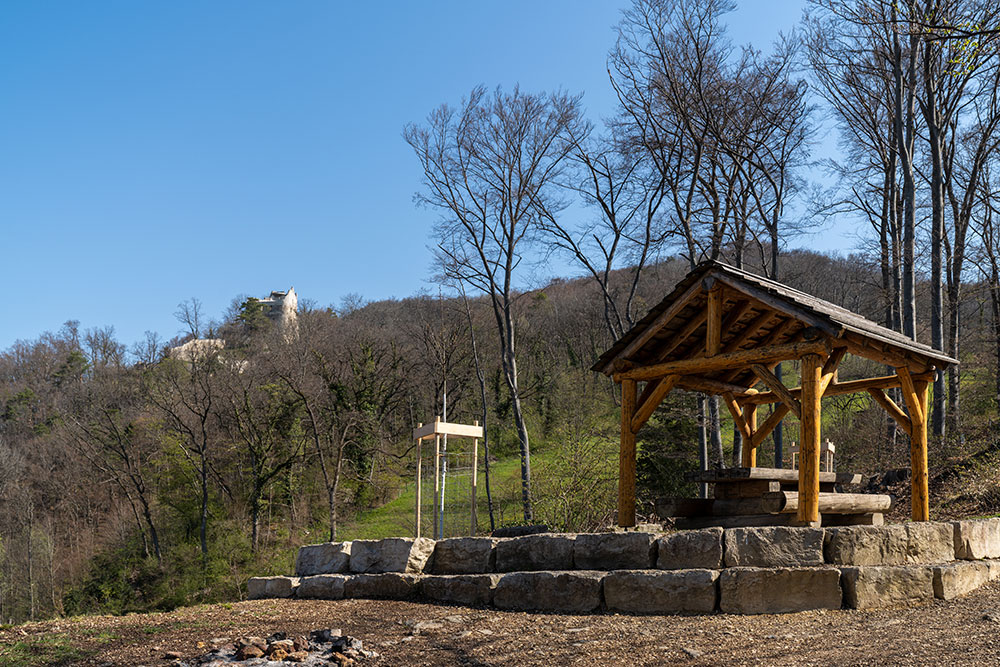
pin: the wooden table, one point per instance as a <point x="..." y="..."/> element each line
<point x="769" y="496"/>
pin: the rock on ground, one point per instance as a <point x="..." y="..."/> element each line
<point x="773" y="546"/>
<point x="535" y="552"/>
<point x="667" y="592"/>
<point x="688" y="549"/>
<point x="875" y="587"/>
<point x="574" y="592"/>
<point x="394" y="554"/>
<point x="748" y="590"/>
<point x="614" y="551"/>
<point x="463" y="555"/>
<point x="326" y="558"/>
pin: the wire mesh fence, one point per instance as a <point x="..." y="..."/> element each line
<point x="446" y="508"/>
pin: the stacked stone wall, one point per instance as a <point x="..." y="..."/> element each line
<point x="737" y="570"/>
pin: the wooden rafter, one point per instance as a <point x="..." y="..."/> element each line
<point x="682" y="335"/>
<point x="772" y="338"/>
<point x="741" y="359"/>
<point x="783" y="305"/>
<point x="657" y="325"/>
<point x="647" y="406"/>
<point x="749" y="330"/>
<point x="769" y="378"/>
<point x="713" y="333"/>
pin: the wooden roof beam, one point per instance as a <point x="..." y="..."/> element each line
<point x="839" y="388"/>
<point x="709" y="386"/>
<point x="661" y="321"/>
<point x="782" y="305"/>
<point x="733" y="360"/>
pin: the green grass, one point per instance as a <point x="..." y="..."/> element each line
<point x="48" y="650"/>
<point x="395" y="518"/>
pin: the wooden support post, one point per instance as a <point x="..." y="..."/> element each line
<point x="626" y="458"/>
<point x="417" y="522"/>
<point x="749" y="454"/>
<point x="812" y="367"/>
<point x="437" y="479"/>
<point x="713" y="333"/>
<point x="475" y="470"/>
<point x="919" y="498"/>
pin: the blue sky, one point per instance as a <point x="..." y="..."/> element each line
<point x="155" y="151"/>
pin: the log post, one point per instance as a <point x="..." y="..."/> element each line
<point x="919" y="494"/>
<point x="749" y="454"/>
<point x="626" y="457"/>
<point x="812" y="367"/>
<point x="475" y="466"/>
<point x="437" y="476"/>
<point x="417" y="522"/>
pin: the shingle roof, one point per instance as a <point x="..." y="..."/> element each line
<point x="752" y="296"/>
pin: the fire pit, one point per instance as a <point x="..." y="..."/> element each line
<point x="323" y="647"/>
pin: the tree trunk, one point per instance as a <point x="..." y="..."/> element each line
<point x="703" y="442"/>
<point x="716" y="432"/>
<point x="934" y="131"/>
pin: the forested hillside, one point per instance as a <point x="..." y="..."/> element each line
<point x="130" y="479"/>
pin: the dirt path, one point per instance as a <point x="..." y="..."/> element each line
<point x="960" y="632"/>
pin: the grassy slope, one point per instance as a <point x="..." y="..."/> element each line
<point x="395" y="518"/>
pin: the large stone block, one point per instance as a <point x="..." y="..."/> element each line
<point x="773" y="546"/>
<point x="271" y="587"/>
<point x="571" y="592"/>
<point x="395" y="554"/>
<point x="463" y="555"/>
<point x="747" y="590"/>
<point x="978" y="539"/>
<point x="322" y="587"/>
<point x="614" y="551"/>
<point x="390" y="585"/>
<point x="467" y="589"/>
<point x="929" y="542"/>
<point x="652" y="592"/>
<point x="326" y="558"/>
<point x="688" y="549"/>
<point x="866" y="545"/>
<point x="898" y="544"/>
<point x="875" y="587"/>
<point x="955" y="579"/>
<point x="535" y="552"/>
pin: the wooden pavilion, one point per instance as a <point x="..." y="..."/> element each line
<point x="722" y="331"/>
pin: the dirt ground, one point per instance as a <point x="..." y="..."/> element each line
<point x="959" y="632"/>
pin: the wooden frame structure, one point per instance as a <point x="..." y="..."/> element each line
<point x="435" y="430"/>
<point x="722" y="331"/>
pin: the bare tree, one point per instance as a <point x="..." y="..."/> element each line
<point x="490" y="168"/>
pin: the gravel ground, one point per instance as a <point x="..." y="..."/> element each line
<point x="959" y="632"/>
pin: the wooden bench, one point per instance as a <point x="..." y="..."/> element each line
<point x="769" y="496"/>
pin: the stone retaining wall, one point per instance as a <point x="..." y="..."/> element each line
<point x="738" y="570"/>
